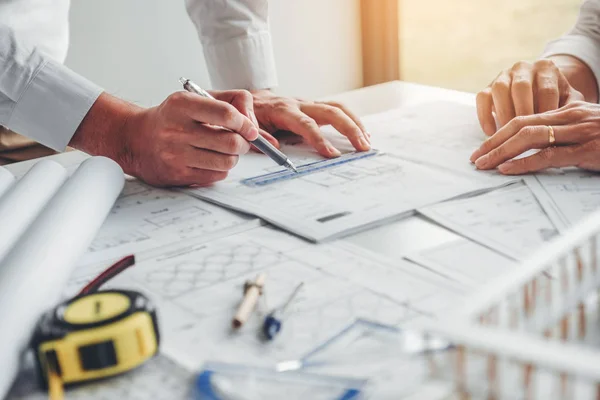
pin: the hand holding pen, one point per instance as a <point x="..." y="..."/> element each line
<point x="260" y="142"/>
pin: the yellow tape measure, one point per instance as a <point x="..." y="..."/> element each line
<point x="94" y="336"/>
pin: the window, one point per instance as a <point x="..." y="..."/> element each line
<point x="464" y="44"/>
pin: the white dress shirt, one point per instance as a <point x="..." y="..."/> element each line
<point x="583" y="41"/>
<point x="46" y="101"/>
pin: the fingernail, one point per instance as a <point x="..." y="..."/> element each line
<point x="482" y="161"/>
<point x="333" y="151"/>
<point x="489" y="129"/>
<point x="504" y="168"/>
<point x="364" y="144"/>
<point x="474" y="156"/>
<point x="253" y="132"/>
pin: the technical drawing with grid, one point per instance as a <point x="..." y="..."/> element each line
<point x="222" y="265"/>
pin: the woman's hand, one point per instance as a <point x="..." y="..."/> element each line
<point x="574" y="127"/>
<point x="523" y="89"/>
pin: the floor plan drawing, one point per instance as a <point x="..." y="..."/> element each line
<point x="143" y="217"/>
<point x="442" y="134"/>
<point x="198" y="286"/>
<point x="332" y="202"/>
<point x="509" y="220"/>
<point x="464" y="261"/>
<point x="570" y="194"/>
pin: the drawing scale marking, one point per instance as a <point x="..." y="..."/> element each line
<point x="306" y="169"/>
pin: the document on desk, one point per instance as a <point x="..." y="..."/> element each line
<point x="443" y="134"/>
<point x="464" y="261"/>
<point x="197" y="288"/>
<point x="509" y="220"/>
<point x="145" y="217"/>
<point x="332" y="200"/>
<point x="567" y="195"/>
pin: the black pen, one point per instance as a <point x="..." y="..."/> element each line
<point x="260" y="143"/>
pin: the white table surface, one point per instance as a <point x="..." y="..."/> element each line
<point x="413" y="233"/>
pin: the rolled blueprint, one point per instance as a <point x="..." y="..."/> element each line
<point x="35" y="271"/>
<point x="26" y="199"/>
<point x="6" y="179"/>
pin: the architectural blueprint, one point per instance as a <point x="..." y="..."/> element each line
<point x="145" y="218"/>
<point x="464" y="261"/>
<point x="339" y="200"/>
<point x="567" y="195"/>
<point x="443" y="134"/>
<point x="197" y="287"/>
<point x="509" y="220"/>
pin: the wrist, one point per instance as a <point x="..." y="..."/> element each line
<point x="578" y="74"/>
<point x="106" y="128"/>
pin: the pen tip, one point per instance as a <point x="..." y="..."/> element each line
<point x="182" y="80"/>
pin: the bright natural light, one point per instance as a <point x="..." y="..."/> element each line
<point x="464" y="44"/>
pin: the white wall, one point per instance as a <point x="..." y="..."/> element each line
<point x="137" y="49"/>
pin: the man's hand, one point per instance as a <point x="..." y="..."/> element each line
<point x="524" y="89"/>
<point x="576" y="128"/>
<point x="304" y="118"/>
<point x="174" y="144"/>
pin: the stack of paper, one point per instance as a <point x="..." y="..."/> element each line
<point x="567" y="195"/>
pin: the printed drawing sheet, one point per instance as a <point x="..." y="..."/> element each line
<point x="509" y="220"/>
<point x="338" y="200"/>
<point x="144" y="218"/>
<point x="567" y="195"/>
<point x="443" y="134"/>
<point x="464" y="261"/>
<point x="198" y="286"/>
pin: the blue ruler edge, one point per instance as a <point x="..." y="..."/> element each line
<point x="284" y="175"/>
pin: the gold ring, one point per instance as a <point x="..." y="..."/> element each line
<point x="551" y="137"/>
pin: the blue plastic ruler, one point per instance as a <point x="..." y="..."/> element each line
<point x="317" y="166"/>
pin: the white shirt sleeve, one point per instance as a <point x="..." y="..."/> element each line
<point x="583" y="41"/>
<point x="39" y="97"/>
<point x="236" y="41"/>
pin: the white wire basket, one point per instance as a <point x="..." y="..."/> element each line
<point x="533" y="333"/>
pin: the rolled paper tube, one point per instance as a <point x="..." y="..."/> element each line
<point x="34" y="272"/>
<point x="6" y="180"/>
<point x="24" y="201"/>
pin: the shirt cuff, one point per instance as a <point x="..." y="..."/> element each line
<point x="242" y="63"/>
<point x="53" y="105"/>
<point x="579" y="46"/>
